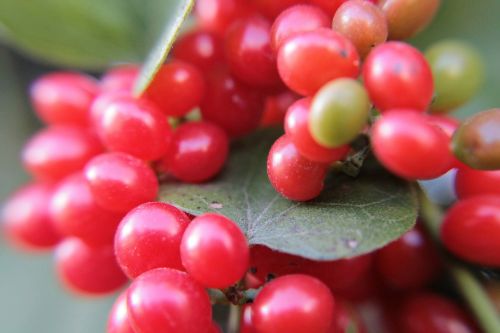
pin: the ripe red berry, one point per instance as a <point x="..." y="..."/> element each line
<point x="233" y="106"/>
<point x="397" y="75"/>
<point x="76" y="213"/>
<point x="215" y="251"/>
<point x="470" y="182"/>
<point x="297" y="19"/>
<point x="120" y="182"/>
<point x="118" y="318"/>
<point x="246" y="322"/>
<point x="167" y="300"/>
<point x="329" y="6"/>
<point x="412" y="261"/>
<point x="308" y="60"/>
<point x="471" y="230"/>
<point x="63" y="97"/>
<point x="271" y="9"/>
<point x="197" y="152"/>
<point x="409" y="145"/>
<point x="430" y="313"/>
<point x="294" y="304"/>
<point x="292" y="175"/>
<point x="120" y="78"/>
<point x="56" y="152"/>
<point x="132" y="126"/>
<point x="275" y="108"/>
<point x="297" y="128"/>
<point x="177" y="88"/>
<point x="347" y="319"/>
<point x="88" y="270"/>
<point x="202" y="49"/>
<point x="149" y="237"/>
<point x="26" y="219"/>
<point x="217" y="15"/>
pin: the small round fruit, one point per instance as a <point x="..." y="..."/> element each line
<point x="167" y="300"/>
<point x="276" y="107"/>
<point x="118" y="318"/>
<point x="471" y="230"/>
<point x="294" y="304"/>
<point x="339" y="112"/>
<point x="120" y="79"/>
<point x="217" y="15"/>
<point x="202" y="49"/>
<point x="470" y="182"/>
<point x="329" y="6"/>
<point x="291" y="174"/>
<point x="215" y="251"/>
<point x="271" y="9"/>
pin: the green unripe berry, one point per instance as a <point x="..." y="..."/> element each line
<point x="458" y="73"/>
<point x="477" y="141"/>
<point x="339" y="111"/>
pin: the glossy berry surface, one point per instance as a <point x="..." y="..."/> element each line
<point x="275" y="108"/>
<point x="396" y="131"/>
<point x="63" y="97"/>
<point x="291" y="174"/>
<point x="76" y="213"/>
<point x="88" y="270"/>
<point x="121" y="78"/>
<point x="167" y="300"/>
<point x="272" y="9"/>
<point x="297" y="128"/>
<point x="249" y="54"/>
<point x="329" y="6"/>
<point x="412" y="261"/>
<point x="397" y="75"/>
<point x="197" y="153"/>
<point x="217" y="15"/>
<point x="26" y="219"/>
<point x="297" y="19"/>
<point x="149" y="237"/>
<point x="470" y="182"/>
<point x="119" y="182"/>
<point x="202" y="49"/>
<point x="363" y="23"/>
<point x="55" y="152"/>
<point x="132" y="126"/>
<point x="308" y="60"/>
<point x="177" y="88"/>
<point x="215" y="251"/>
<point x="471" y="230"/>
<point x="246" y="322"/>
<point x="118" y="321"/>
<point x="231" y="105"/>
<point x="294" y="304"/>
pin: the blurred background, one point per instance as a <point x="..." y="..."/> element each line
<point x="43" y="35"/>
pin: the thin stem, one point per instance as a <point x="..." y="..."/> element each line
<point x="471" y="289"/>
<point x="233" y="323"/>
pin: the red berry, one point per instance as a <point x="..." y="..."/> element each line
<point x="249" y="54"/>
<point x="308" y="60"/>
<point x="410" y="146"/>
<point x="214" y="328"/>
<point x="293" y="304"/>
<point x="88" y="270"/>
<point x="233" y="106"/>
<point x="120" y="182"/>
<point x="63" y="97"/>
<point x="167" y="300"/>
<point x="120" y="78"/>
<point x="330" y="6"/>
<point x="217" y="15"/>
<point x="470" y="182"/>
<point x="397" y="75"/>
<point x="149" y="237"/>
<point x="471" y="230"/>
<point x="246" y="322"/>
<point x="198" y="152"/>
<point x="275" y="108"/>
<point x="292" y="175"/>
<point x="56" y="152"/>
<point x="347" y="320"/>
<point x="118" y="319"/>
<point x="297" y="19"/>
<point x="76" y="213"/>
<point x="26" y="219"/>
<point x="202" y="49"/>
<point x="132" y="126"/>
<point x="412" y="261"/>
<point x="429" y="313"/>
<point x="449" y="125"/>
<point x="271" y="9"/>
<point x="177" y="88"/>
<point x="297" y="128"/>
<point x="215" y="251"/>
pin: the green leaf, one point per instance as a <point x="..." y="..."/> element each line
<point x="351" y="217"/>
<point x="88" y="34"/>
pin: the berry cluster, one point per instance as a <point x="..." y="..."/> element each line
<point x="249" y="64"/>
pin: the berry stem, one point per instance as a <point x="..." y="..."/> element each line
<point x="468" y="285"/>
<point x="233" y="323"/>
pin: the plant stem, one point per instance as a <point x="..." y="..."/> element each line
<point x="471" y="289"/>
<point x="233" y="323"/>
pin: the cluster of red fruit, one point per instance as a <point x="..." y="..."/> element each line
<point x="245" y="66"/>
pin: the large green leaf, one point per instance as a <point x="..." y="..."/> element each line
<point x="351" y="217"/>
